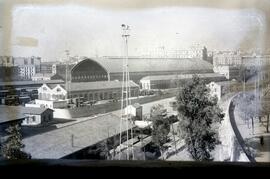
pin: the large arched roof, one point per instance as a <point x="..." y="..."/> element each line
<point x="84" y="65"/>
<point x="114" y="65"/>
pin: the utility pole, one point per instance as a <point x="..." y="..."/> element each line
<point x="67" y="70"/>
<point x="72" y="140"/>
<point x="125" y="99"/>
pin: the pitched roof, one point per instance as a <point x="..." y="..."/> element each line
<point x="43" y="75"/>
<point x="51" y="86"/>
<point x="136" y="105"/>
<point x="21" y="83"/>
<point x="25" y="110"/>
<point x="114" y="65"/>
<point x="137" y="64"/>
<point x="180" y="76"/>
<point x="10" y="113"/>
<point x="81" y="86"/>
<point x="56" y="144"/>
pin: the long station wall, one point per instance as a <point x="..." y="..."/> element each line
<point x="105" y="108"/>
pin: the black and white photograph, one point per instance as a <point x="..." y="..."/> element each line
<point x="134" y="80"/>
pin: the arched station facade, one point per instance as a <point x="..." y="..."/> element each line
<point x="88" y="71"/>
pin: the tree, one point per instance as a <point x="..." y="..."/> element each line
<point x="161" y="126"/>
<point x="198" y="114"/>
<point x="12" y="147"/>
<point x="247" y="108"/>
<point x="264" y="111"/>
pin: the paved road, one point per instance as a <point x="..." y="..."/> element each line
<point x="261" y="153"/>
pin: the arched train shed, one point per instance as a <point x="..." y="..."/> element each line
<point x="104" y="69"/>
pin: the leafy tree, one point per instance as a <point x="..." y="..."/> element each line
<point x="12" y="147"/>
<point x="161" y="126"/>
<point x="249" y="108"/>
<point x="198" y="113"/>
<point x="266" y="112"/>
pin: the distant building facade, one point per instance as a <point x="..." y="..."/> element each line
<point x="6" y="61"/>
<point x="45" y="77"/>
<point x="229" y="63"/>
<point x="9" y="73"/>
<point x="48" y="67"/>
<point x="27" y="66"/>
<point x="27" y="71"/>
<point x="227" y="58"/>
<point x="174" y="81"/>
<point x="230" y="72"/>
<point x="219" y="89"/>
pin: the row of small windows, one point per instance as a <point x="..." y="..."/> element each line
<point x="49" y="96"/>
<point x="97" y="96"/>
<point x="90" y="77"/>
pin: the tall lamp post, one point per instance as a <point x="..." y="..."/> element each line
<point x="125" y="100"/>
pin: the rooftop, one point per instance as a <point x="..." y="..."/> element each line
<point x="136" y="105"/>
<point x="180" y="76"/>
<point x="21" y="83"/>
<point x="9" y="114"/>
<point x="43" y="75"/>
<point x="56" y="144"/>
<point x="81" y="86"/>
<point x="114" y="65"/>
<point x="54" y="85"/>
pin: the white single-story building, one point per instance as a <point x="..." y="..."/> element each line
<point x="32" y="116"/>
<point x="219" y="89"/>
<point x="135" y="110"/>
<point x="37" y="116"/>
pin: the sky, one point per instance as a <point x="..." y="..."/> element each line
<point x="91" y="31"/>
